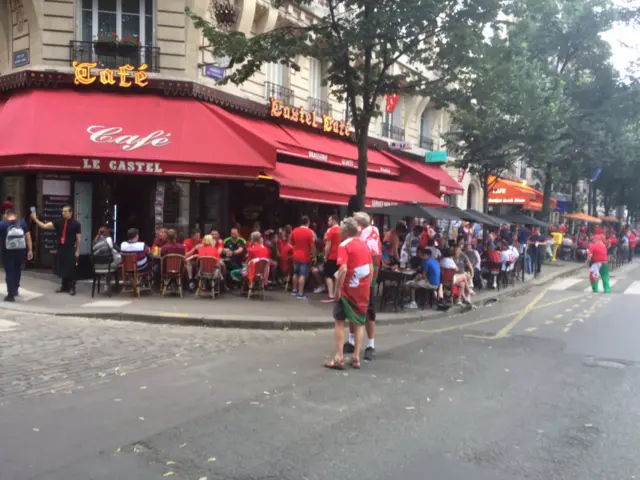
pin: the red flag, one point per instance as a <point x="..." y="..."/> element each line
<point x="391" y="103"/>
<point x="461" y="174"/>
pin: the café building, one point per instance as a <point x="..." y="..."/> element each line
<point x="127" y="151"/>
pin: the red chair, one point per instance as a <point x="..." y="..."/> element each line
<point x="209" y="268"/>
<point x="172" y="269"/>
<point x="257" y="275"/>
<point x="446" y="278"/>
<point x="131" y="274"/>
<point x="286" y="266"/>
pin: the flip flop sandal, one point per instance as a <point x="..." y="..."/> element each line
<point x="333" y="365"/>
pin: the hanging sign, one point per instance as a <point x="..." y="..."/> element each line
<point x="278" y="109"/>
<point x="391" y="102"/>
<point x="125" y="77"/>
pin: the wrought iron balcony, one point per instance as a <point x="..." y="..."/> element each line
<point x="428" y="143"/>
<point x="392" y="132"/>
<point x="320" y="106"/>
<point x="273" y="90"/>
<point x="115" y="55"/>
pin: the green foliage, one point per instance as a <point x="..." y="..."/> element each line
<point x="361" y="42"/>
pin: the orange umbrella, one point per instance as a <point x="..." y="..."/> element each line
<point x="583" y="217"/>
<point x="610" y="219"/>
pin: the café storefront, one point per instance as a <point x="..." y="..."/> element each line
<point x="147" y="153"/>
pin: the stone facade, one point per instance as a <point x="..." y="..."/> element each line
<point x="36" y="35"/>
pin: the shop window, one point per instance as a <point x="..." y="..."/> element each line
<point x="126" y="18"/>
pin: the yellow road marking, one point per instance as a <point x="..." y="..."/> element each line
<point x="174" y="314"/>
<point x="531" y="329"/>
<point x="493" y="319"/>
<point x="523" y="313"/>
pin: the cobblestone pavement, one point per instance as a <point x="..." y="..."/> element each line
<point x="45" y="355"/>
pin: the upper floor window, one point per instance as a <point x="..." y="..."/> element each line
<point x="126" y="18"/>
<point x="275" y="73"/>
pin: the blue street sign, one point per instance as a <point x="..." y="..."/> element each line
<point x="596" y="174"/>
<point x="214" y="72"/>
<point x="21" y="58"/>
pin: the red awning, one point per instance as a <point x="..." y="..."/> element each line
<point x="323" y="186"/>
<point x="307" y="144"/>
<point x="134" y="134"/>
<point x="434" y="172"/>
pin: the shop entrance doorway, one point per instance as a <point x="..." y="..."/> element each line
<point x="124" y="202"/>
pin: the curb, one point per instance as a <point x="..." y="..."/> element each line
<point x="275" y="323"/>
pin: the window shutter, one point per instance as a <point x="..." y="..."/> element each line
<point x="315" y="78"/>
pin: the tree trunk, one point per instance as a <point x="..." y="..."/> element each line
<point x="607" y="205"/>
<point x="589" y="209"/>
<point x="594" y="200"/>
<point x="574" y="195"/>
<point x="485" y="205"/>
<point x="546" y="202"/>
<point x="362" y="137"/>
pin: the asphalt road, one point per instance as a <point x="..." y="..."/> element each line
<point x="542" y="386"/>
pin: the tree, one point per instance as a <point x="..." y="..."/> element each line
<point x="360" y="41"/>
<point x="565" y="37"/>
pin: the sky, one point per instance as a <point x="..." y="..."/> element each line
<point x="625" y="43"/>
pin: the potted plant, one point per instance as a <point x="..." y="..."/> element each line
<point x="127" y="46"/>
<point x="106" y="44"/>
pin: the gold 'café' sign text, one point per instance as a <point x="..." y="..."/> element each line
<point x="299" y="115"/>
<point x="122" y="77"/>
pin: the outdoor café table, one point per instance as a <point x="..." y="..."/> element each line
<point x="393" y="286"/>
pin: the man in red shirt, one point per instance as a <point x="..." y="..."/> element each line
<point x="304" y="249"/>
<point x="353" y="287"/>
<point x="633" y="241"/>
<point x="332" y="241"/>
<point x="191" y="246"/>
<point x="599" y="265"/>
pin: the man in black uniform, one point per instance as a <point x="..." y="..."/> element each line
<point x="68" y="244"/>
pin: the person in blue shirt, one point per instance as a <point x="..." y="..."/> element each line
<point x="428" y="279"/>
<point x="15" y="241"/>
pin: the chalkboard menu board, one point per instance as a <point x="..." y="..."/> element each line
<point x="52" y="210"/>
<point x="171" y="211"/>
<point x="211" y="212"/>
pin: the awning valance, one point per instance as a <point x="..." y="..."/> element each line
<point x="324" y="186"/>
<point x="129" y="134"/>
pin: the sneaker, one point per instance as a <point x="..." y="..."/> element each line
<point x="327" y="300"/>
<point x="301" y="297"/>
<point x="294" y="293"/>
<point x="411" y="305"/>
<point x="369" y="353"/>
<point x="348" y="348"/>
<point x="9" y="298"/>
<point x="318" y="290"/>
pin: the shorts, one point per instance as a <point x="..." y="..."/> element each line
<point x="339" y="314"/>
<point x="301" y="269"/>
<point x="330" y="268"/>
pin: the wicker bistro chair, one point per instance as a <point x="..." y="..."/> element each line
<point x="286" y="267"/>
<point x="171" y="271"/>
<point x="209" y="271"/>
<point x="101" y="268"/>
<point x="132" y="276"/>
<point x="446" y="278"/>
<point x="257" y="276"/>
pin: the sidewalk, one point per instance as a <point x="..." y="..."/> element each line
<point x="279" y="310"/>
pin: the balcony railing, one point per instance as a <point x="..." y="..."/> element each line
<point x="392" y="132"/>
<point x="114" y="56"/>
<point x="273" y="90"/>
<point x="428" y="143"/>
<point x="320" y="106"/>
